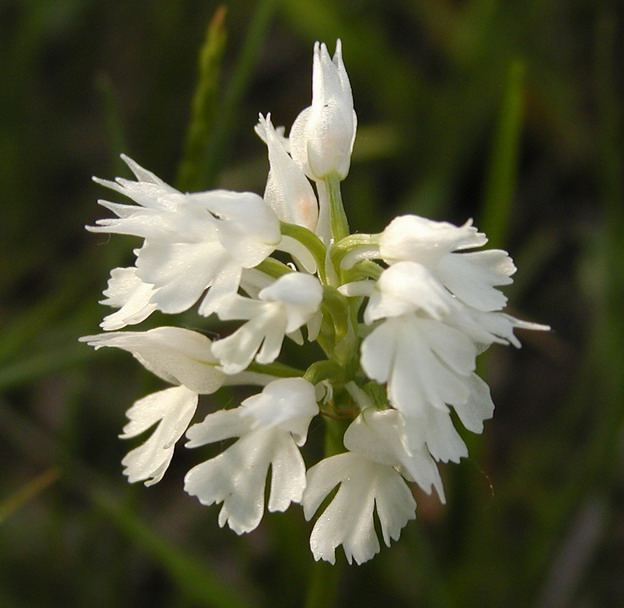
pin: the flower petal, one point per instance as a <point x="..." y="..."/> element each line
<point x="217" y="426"/>
<point x="472" y="277"/>
<point x="408" y="287"/>
<point x="237" y="478"/>
<point x="131" y="295"/>
<point x="301" y="295"/>
<point x="177" y="355"/>
<point x="180" y="271"/>
<point x="288" y="192"/>
<point x="288" y="403"/>
<point x="437" y="429"/>
<point x="478" y="407"/>
<point x="417" y="239"/>
<point x="423" y="363"/>
<point x="173" y="408"/>
<point x="348" y="520"/>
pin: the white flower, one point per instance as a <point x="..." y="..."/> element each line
<point x="173" y="410"/>
<point x="371" y="476"/>
<point x="471" y="276"/>
<point x="425" y="363"/>
<point x="426" y="346"/>
<point x="131" y="295"/>
<point x="431" y="305"/>
<point x="408" y="287"/>
<point x="177" y="355"/>
<point x="384" y="437"/>
<point x="192" y="241"/>
<point x="348" y="520"/>
<point x="270" y="426"/>
<point x="288" y="192"/>
<point x="282" y="308"/>
<point x="322" y="136"/>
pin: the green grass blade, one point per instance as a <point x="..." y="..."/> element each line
<point x="197" y="582"/>
<point x="204" y="106"/>
<point x="194" y="578"/>
<point x="26" y="493"/>
<point x="502" y="171"/>
<point x="210" y="166"/>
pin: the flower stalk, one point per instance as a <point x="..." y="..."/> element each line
<point x="338" y="218"/>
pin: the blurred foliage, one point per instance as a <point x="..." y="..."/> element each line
<point x="506" y="111"/>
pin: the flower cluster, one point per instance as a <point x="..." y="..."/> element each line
<point x="400" y="316"/>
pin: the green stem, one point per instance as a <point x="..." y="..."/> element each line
<point x="311" y="242"/>
<point x="323" y="589"/>
<point x="332" y="223"/>
<point x="338" y="223"/>
<point x="343" y="246"/>
<point x="322" y="370"/>
<point x="325" y="577"/>
<point x="273" y="267"/>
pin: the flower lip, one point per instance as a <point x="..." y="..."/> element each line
<point x="269" y="426"/>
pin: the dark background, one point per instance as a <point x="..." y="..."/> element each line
<point x="535" y="516"/>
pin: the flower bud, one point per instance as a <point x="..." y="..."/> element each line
<point x="322" y="136"/>
<point x="288" y="192"/>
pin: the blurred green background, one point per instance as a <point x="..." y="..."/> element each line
<point x="506" y="111"/>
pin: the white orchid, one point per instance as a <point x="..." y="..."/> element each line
<point x="400" y="317"/>
<point x="426" y="344"/>
<point x="180" y="357"/>
<point x="193" y="242"/>
<point x="372" y="476"/>
<point x="271" y="427"/>
<point x="280" y="310"/>
<point x="348" y="520"/>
